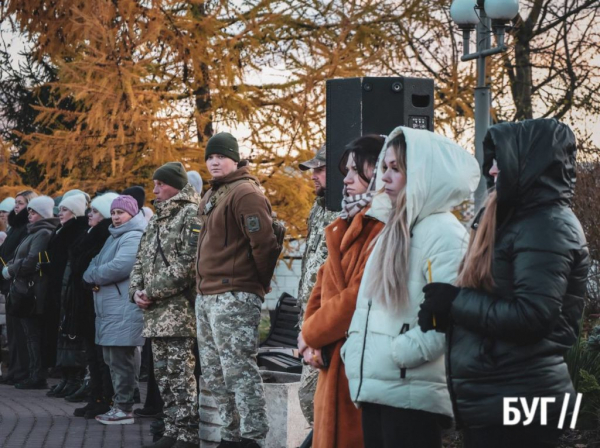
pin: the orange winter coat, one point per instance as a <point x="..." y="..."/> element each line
<point x="327" y="318"/>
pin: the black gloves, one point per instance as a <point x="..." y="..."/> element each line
<point x="435" y="309"/>
<point x="43" y="266"/>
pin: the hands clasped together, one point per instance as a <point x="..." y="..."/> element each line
<point x="312" y="356"/>
<point x="141" y="299"/>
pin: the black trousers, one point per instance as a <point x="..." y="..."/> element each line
<point x="18" y="356"/>
<point x="32" y="328"/>
<point x="512" y="437"/>
<point x="389" y="427"/>
<point x="101" y="387"/>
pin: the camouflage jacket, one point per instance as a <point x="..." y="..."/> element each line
<point x="315" y="252"/>
<point x="164" y="266"/>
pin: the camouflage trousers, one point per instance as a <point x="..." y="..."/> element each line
<point x="174" y="371"/>
<point x="306" y="392"/>
<point x="228" y="343"/>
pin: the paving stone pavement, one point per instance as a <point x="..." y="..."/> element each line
<point x="29" y="419"/>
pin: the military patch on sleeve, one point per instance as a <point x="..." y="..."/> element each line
<point x="194" y="234"/>
<point x="252" y="223"/>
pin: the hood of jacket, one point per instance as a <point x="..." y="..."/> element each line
<point x="440" y="175"/>
<point x="136" y="224"/>
<point x="49" y="224"/>
<point x="18" y="219"/>
<point x="240" y="173"/>
<point x="167" y="208"/>
<point x="536" y="159"/>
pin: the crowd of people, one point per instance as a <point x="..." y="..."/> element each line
<point x="408" y="323"/>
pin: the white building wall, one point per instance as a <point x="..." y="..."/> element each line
<point x="286" y="279"/>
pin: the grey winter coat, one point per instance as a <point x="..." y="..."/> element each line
<point x="118" y="321"/>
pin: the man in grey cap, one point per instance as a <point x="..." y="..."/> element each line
<point x="315" y="254"/>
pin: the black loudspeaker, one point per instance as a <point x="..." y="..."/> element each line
<point x="358" y="106"/>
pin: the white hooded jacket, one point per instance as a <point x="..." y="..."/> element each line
<point x="388" y="359"/>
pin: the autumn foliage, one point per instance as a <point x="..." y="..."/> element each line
<point x="137" y="83"/>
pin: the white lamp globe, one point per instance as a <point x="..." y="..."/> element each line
<point x="501" y="9"/>
<point x="463" y="13"/>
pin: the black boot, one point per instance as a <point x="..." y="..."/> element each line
<point x="71" y="387"/>
<point x="58" y="388"/>
<point x="182" y="444"/>
<point x="33" y="383"/>
<point x="229" y="444"/>
<point x="80" y="395"/>
<point x="80" y="412"/>
<point x="163" y="442"/>
<point x="101" y="407"/>
<point x="249" y="443"/>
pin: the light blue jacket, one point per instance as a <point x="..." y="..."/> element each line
<point x="119" y="322"/>
<point x="388" y="359"/>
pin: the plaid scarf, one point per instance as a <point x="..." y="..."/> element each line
<point x="352" y="205"/>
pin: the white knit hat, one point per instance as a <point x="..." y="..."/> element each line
<point x="76" y="203"/>
<point x="74" y="192"/>
<point x="42" y="205"/>
<point x="102" y="203"/>
<point x="7" y="204"/>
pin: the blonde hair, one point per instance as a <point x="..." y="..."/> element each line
<point x="28" y="195"/>
<point x="476" y="267"/>
<point x="390" y="279"/>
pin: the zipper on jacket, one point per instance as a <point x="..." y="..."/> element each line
<point x="362" y="356"/>
<point x="404" y="329"/>
<point x="226" y="228"/>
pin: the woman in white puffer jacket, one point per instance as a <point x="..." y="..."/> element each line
<point x="395" y="371"/>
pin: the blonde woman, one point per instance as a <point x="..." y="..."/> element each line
<point x="517" y="308"/>
<point x="395" y="371"/>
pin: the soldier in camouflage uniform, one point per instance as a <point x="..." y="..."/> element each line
<point x="237" y="253"/>
<point x="315" y="255"/>
<point x="162" y="284"/>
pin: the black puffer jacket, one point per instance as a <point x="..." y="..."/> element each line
<point x="17" y="232"/>
<point x="511" y="343"/>
<point x="27" y="255"/>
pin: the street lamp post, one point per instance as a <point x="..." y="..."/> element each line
<point x="486" y="16"/>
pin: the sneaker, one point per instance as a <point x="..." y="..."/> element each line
<point x="116" y="417"/>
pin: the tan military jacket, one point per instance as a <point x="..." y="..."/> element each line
<point x="164" y="266"/>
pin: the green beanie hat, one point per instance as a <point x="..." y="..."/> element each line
<point x="225" y="144"/>
<point x="173" y="174"/>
